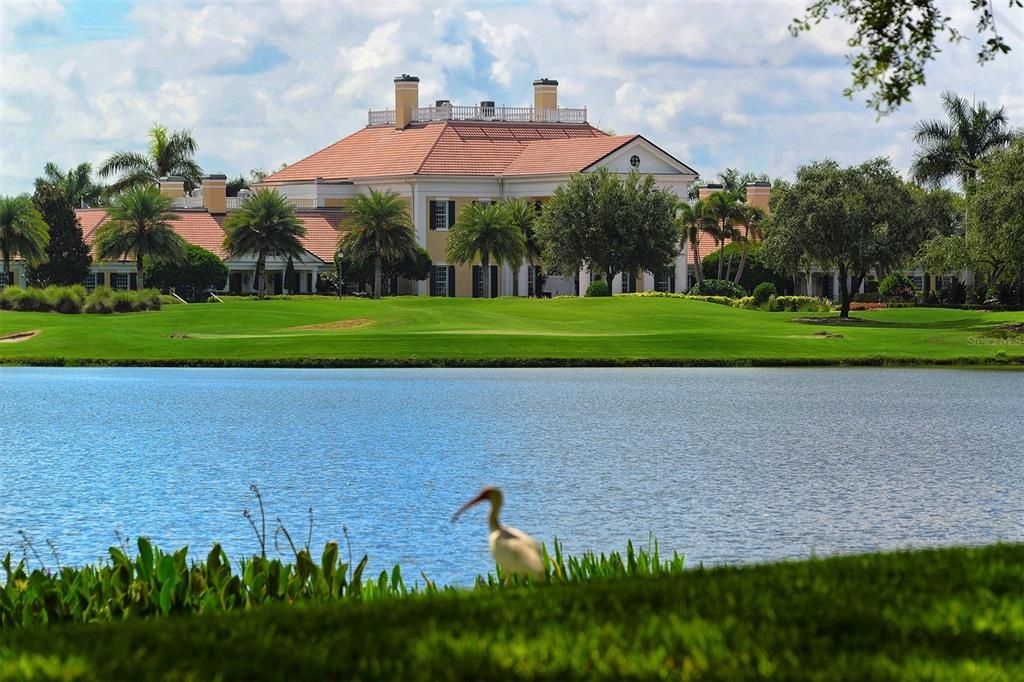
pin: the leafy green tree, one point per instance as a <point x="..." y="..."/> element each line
<point x="894" y="40"/>
<point x="523" y="215"/>
<point x="76" y="184"/>
<point x="382" y="232"/>
<point x="67" y="254"/>
<point x="199" y="271"/>
<point x="23" y="232"/>
<point x="995" y="213"/>
<point x="725" y="213"/>
<point x="608" y="224"/>
<point x="265" y="224"/>
<point x="936" y="214"/>
<point x="755" y="271"/>
<point x="484" y="232"/>
<point x="139" y="225"/>
<point x="954" y="148"/>
<point x="169" y="153"/>
<point x="853" y="219"/>
<point x="651" y="233"/>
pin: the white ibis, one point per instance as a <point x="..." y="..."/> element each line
<point x="513" y="550"/>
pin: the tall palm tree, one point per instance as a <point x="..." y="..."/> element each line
<point x="381" y="232"/>
<point x="722" y="209"/>
<point x="694" y="223"/>
<point x="523" y="214"/>
<point x="23" y="232"/>
<point x="953" y="148"/>
<point x="753" y="219"/>
<point x="169" y="153"/>
<point x="265" y="224"/>
<point x="76" y="183"/>
<point x="139" y="225"/>
<point x="484" y="231"/>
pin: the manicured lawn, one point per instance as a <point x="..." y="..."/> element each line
<point x="508" y="331"/>
<point x="952" y="614"/>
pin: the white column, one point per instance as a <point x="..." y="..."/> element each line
<point x="648" y="281"/>
<point x="682" y="272"/>
<point x="835" y="285"/>
<point x="584" y="280"/>
<point x="810" y="289"/>
<point x="615" y="285"/>
<point x="524" y="279"/>
<point x="419" y="221"/>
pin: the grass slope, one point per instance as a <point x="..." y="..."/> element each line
<point x="506" y="331"/>
<point x="936" y="614"/>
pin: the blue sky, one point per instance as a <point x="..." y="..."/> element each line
<point x="717" y="84"/>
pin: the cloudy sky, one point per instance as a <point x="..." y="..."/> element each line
<point x="717" y="84"/>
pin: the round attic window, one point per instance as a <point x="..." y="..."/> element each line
<point x="634" y="161"/>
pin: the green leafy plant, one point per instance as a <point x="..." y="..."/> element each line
<point x="897" y="287"/>
<point x="763" y="292"/>
<point x="598" y="288"/>
<point x="718" y="287"/>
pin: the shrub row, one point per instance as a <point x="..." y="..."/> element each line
<point x="75" y="299"/>
<point x="775" y="304"/>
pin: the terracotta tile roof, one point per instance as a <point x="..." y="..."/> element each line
<point x="370" y="152"/>
<point x="454" y="148"/>
<point x="564" y="156"/>
<point x="90" y="219"/>
<point x="205" y="230"/>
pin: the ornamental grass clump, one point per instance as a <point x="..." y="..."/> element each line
<point x="100" y="301"/>
<point x="68" y="300"/>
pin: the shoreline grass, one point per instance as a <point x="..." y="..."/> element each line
<point x="953" y="613"/>
<point x="509" y="332"/>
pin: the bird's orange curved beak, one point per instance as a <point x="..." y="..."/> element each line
<point x="485" y="495"/>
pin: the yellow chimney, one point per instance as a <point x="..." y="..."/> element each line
<point x="758" y="194"/>
<point x="407" y="98"/>
<point x="545" y="99"/>
<point x="215" y="194"/>
<point x="704" y="191"/>
<point x="172" y="186"/>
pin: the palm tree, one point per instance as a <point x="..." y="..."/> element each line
<point x="265" y="224"/>
<point x="694" y="223"/>
<point x="722" y="209"/>
<point x="23" y="232"/>
<point x="484" y="231"/>
<point x="170" y="153"/>
<point x="953" y="148"/>
<point x="523" y="214"/>
<point x="139" y="225"/>
<point x="76" y="184"/>
<point x="382" y="232"/>
<point x="753" y="219"/>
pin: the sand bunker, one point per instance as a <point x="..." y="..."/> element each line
<point x="18" y="336"/>
<point x="332" y="326"/>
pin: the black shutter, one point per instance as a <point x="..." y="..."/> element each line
<point x="672" y="283"/>
<point x="433" y="280"/>
<point x="478" y="283"/>
<point x="494" y="281"/>
<point x="133" y="280"/>
<point x="451" y="280"/>
<point x="433" y="218"/>
<point x="451" y="214"/>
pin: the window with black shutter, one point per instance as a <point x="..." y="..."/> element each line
<point x="451" y="214"/>
<point x="494" y="281"/>
<point x="451" y="280"/>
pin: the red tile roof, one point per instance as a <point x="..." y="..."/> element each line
<point x="455" y="148"/>
<point x="205" y="230"/>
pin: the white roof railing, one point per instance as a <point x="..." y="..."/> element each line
<point x="450" y="112"/>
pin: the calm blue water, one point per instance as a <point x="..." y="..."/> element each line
<point x="724" y="465"/>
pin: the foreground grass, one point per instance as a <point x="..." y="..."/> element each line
<point x="416" y="331"/>
<point x="935" y="614"/>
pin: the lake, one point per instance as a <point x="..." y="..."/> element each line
<point x="724" y="465"/>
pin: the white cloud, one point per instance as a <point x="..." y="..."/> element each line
<point x="714" y="83"/>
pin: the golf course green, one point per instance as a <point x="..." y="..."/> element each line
<point x="418" y="331"/>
